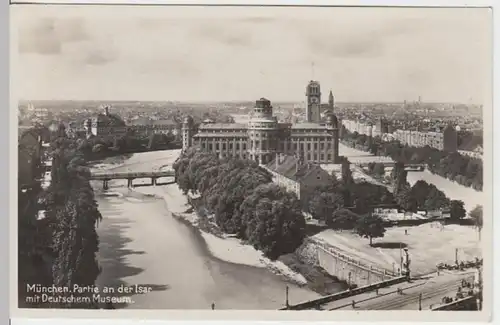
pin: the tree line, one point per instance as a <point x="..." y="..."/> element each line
<point x="348" y="205"/>
<point x="243" y="200"/>
<point x="66" y="242"/>
<point x="102" y="146"/>
<point x="465" y="170"/>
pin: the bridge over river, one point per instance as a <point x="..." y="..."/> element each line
<point x="107" y="176"/>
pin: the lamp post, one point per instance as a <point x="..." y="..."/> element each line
<point x="286" y="301"/>
<point x="420" y="301"/>
<point x="349" y="281"/>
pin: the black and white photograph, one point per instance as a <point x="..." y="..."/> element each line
<point x="252" y="158"/>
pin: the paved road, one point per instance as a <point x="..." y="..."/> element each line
<point x="433" y="289"/>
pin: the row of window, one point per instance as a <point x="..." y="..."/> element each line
<point x="290" y="140"/>
<point x="308" y="157"/>
<point x="213" y="131"/>
<point x="222" y="146"/>
<point x="263" y="125"/>
<point x="265" y="146"/>
<point x="257" y="133"/>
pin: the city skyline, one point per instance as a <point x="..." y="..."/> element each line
<point x="191" y="54"/>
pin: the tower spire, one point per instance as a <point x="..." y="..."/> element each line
<point x="312" y="70"/>
<point x="331" y="101"/>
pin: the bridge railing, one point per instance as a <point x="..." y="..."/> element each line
<point x="374" y="269"/>
<point x="344" y="294"/>
<point x="132" y="175"/>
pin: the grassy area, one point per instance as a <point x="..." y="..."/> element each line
<point x="428" y="245"/>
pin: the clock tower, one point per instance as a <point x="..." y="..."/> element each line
<point x="313" y="102"/>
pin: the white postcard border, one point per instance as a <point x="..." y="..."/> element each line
<point x="262" y="315"/>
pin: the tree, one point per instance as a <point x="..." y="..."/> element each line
<point x="342" y="219"/>
<point x="325" y="201"/>
<point x="379" y="169"/>
<point x="399" y="177"/>
<point x="405" y="200"/>
<point x="457" y="210"/>
<point x="419" y="192"/>
<point x="72" y="207"/>
<point x="273" y="219"/>
<point x="477" y="215"/>
<point x="436" y="199"/>
<point x="346" y="170"/>
<point x="370" y="226"/>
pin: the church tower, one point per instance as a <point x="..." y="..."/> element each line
<point x="313" y="102"/>
<point x="331" y="102"/>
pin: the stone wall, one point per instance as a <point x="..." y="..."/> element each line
<point x="339" y="265"/>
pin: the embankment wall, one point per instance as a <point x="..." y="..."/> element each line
<point x="338" y="264"/>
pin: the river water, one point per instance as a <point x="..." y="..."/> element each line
<point x="141" y="243"/>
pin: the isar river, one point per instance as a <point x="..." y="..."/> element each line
<point x="141" y="243"/>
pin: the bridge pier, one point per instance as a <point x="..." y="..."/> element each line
<point x="153" y="181"/>
<point x="130" y="182"/>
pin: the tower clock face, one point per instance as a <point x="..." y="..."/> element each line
<point x="314" y="100"/>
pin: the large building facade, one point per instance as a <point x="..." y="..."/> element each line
<point x="105" y="124"/>
<point x="263" y="137"/>
<point x="447" y="140"/>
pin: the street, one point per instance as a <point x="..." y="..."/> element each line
<point x="433" y="289"/>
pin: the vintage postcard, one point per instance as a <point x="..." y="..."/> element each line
<point x="290" y="162"/>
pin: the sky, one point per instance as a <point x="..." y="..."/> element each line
<point x="228" y="53"/>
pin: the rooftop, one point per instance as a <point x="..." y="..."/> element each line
<point x="288" y="168"/>
<point x="308" y="126"/>
<point x="232" y="126"/>
<point x="109" y="119"/>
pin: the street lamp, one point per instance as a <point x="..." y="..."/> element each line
<point x="349" y="281"/>
<point x="286" y="301"/>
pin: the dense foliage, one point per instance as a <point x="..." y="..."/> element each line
<point x="342" y="219"/>
<point x="325" y="201"/>
<point x="73" y="214"/>
<point x="462" y="169"/>
<point x="98" y="147"/>
<point x="243" y="200"/>
<point x="370" y="226"/>
<point x="477" y="215"/>
<point x="457" y="210"/>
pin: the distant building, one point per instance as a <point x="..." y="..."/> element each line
<point x="295" y="176"/>
<point x="147" y="126"/>
<point x="264" y="137"/>
<point x="381" y="128"/>
<point x="447" y="140"/>
<point x="477" y="152"/>
<point x="105" y="124"/>
<point x="75" y="130"/>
